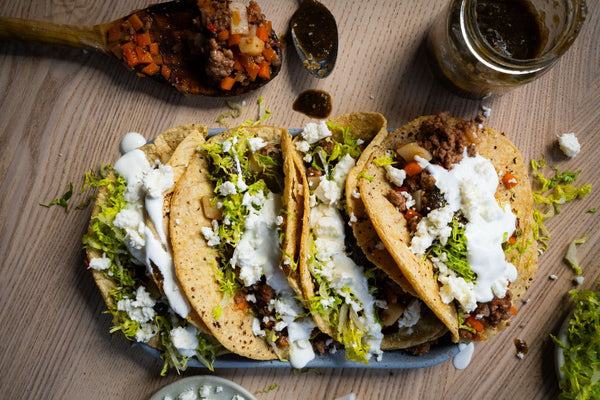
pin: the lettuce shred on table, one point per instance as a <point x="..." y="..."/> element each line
<point x="571" y="256"/>
<point x="550" y="194"/>
<point x="582" y="351"/>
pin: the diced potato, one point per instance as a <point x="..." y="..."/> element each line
<point x="410" y="150"/>
<point x="390" y="315"/>
<point x="210" y="210"/>
<point x="239" y="18"/>
<point x="251" y="46"/>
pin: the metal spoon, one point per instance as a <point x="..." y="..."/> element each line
<point x="176" y="59"/>
<point x="315" y="36"/>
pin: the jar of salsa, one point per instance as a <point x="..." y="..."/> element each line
<point x="483" y="47"/>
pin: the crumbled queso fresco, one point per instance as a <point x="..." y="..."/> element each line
<point x="569" y="144"/>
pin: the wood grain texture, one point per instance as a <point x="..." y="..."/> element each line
<point x="63" y="111"/>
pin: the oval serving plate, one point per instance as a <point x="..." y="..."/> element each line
<point x="391" y="360"/>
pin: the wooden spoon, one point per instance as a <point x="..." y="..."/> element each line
<point x="165" y="42"/>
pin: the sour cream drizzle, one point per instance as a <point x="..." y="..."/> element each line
<point x="257" y="253"/>
<point x="345" y="277"/>
<point x="465" y="353"/>
<point x="470" y="187"/>
<point x="145" y="188"/>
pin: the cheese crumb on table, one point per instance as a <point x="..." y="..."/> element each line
<point x="569" y="144"/>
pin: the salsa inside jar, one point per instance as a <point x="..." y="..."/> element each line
<point x="511" y="27"/>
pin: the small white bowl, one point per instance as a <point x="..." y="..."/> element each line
<point x="220" y="388"/>
<point x="562" y="336"/>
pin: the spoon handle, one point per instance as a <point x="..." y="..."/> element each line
<point x="40" y="32"/>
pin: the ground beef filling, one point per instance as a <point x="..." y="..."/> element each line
<point x="490" y="314"/>
<point x="265" y="312"/>
<point x="447" y="145"/>
<point x="222" y="59"/>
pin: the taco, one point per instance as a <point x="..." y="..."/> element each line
<point x="353" y="301"/>
<point x="233" y="234"/>
<point x="460" y="235"/>
<point x="119" y="246"/>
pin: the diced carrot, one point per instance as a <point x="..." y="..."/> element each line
<point x="154" y="49"/>
<point x="165" y="72"/>
<point x="136" y="22"/>
<point x="143" y="55"/>
<point x="410" y="214"/>
<point x="142" y="39"/>
<point x="261" y="33"/>
<point x="269" y="27"/>
<point x="513" y="310"/>
<point x="412" y="168"/>
<point x="509" y="180"/>
<point x="114" y="33"/>
<point x="252" y="70"/>
<point x="269" y="54"/>
<point x="211" y="27"/>
<point x="475" y="324"/>
<point x="264" y="70"/>
<point x="223" y="34"/>
<point x="240" y="302"/>
<point x="150" y="69"/>
<point x="227" y="83"/>
<point x="157" y="59"/>
<point x="250" y="66"/>
<point x="234" y="39"/>
<point x="130" y="55"/>
<point x="237" y="65"/>
<point x="512" y="240"/>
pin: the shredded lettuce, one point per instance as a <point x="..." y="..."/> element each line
<point x="61" y="201"/>
<point x="550" y="194"/>
<point x="344" y="320"/>
<point x="384" y="160"/>
<point x="571" y="256"/>
<point x="455" y="250"/>
<point x="582" y="350"/>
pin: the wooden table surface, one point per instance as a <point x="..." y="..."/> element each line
<point x="63" y="112"/>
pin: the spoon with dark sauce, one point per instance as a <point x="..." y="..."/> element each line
<point x="315" y="37"/>
<point x="204" y="47"/>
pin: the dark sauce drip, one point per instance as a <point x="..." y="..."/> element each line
<point x="313" y="103"/>
<point x="315" y="29"/>
<point x="521" y="346"/>
<point x="511" y="27"/>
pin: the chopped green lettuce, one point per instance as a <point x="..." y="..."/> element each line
<point x="571" y="256"/>
<point x="384" y="160"/>
<point x="455" y="250"/>
<point x="61" y="201"/>
<point x="330" y="305"/>
<point x="550" y="194"/>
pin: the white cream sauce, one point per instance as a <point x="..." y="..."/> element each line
<point x="131" y="141"/>
<point x="465" y="353"/>
<point x="343" y="275"/>
<point x="470" y="187"/>
<point x="145" y="188"/>
<point x="258" y="254"/>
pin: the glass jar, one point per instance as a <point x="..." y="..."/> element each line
<point x="471" y="57"/>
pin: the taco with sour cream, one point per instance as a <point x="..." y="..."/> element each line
<point x="452" y="203"/>
<point x="233" y="233"/>
<point x="352" y="300"/>
<point x="124" y="248"/>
